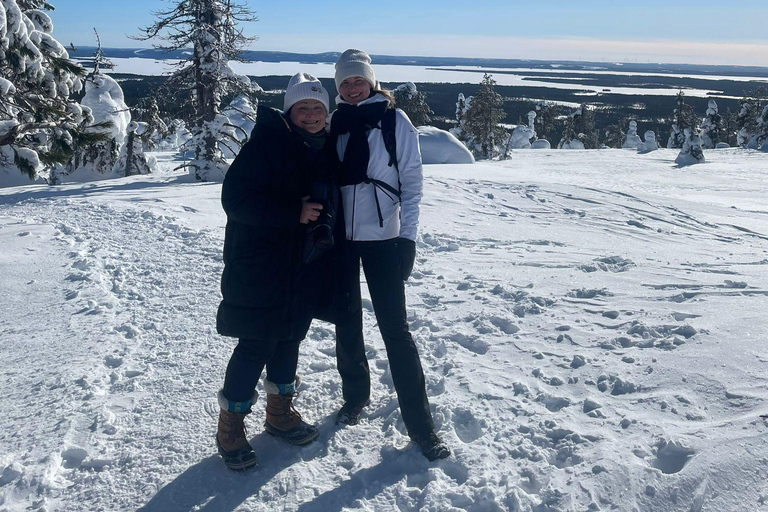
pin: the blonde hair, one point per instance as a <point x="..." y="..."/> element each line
<point x="384" y="92"/>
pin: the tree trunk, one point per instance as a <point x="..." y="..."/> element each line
<point x="129" y="153"/>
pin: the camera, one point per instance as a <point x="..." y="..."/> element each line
<point x="322" y="228"/>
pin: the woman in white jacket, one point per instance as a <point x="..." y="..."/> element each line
<point x="380" y="196"/>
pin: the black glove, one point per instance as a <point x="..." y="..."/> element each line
<point x="406" y="256"/>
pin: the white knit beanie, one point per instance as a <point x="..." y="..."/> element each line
<point x="354" y="63"/>
<point x="304" y="86"/>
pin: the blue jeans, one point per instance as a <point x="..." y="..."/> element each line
<point x="248" y="361"/>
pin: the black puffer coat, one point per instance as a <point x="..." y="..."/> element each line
<point x="264" y="243"/>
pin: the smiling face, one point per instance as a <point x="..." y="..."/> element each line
<point x="354" y="89"/>
<point x="309" y="115"/>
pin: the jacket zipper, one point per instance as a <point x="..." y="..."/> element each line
<point x="354" y="204"/>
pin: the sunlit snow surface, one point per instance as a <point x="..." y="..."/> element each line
<point x="592" y="326"/>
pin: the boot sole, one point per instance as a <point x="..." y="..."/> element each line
<point x="285" y="435"/>
<point x="233" y="459"/>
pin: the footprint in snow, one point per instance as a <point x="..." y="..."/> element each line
<point x="471" y="343"/>
<point x="113" y="362"/>
<point x="467" y="427"/>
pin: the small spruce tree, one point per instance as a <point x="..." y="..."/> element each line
<point x="483" y="117"/>
<point x="711" y="127"/>
<point x="546" y="119"/>
<point x="414" y="103"/>
<point x="683" y="116"/>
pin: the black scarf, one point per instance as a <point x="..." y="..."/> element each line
<point x="356" y="120"/>
<point x="313" y="140"/>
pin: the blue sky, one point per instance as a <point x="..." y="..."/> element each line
<point x="701" y="31"/>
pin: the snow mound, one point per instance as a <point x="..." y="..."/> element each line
<point x="440" y="147"/>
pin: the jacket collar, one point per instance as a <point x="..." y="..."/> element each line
<point x="373" y="99"/>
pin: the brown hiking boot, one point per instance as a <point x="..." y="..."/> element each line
<point x="232" y="442"/>
<point x="284" y="421"/>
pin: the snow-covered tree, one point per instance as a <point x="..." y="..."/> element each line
<point x="242" y="118"/>
<point x="613" y="135"/>
<point x="691" y="153"/>
<point x="580" y="132"/>
<point x="711" y="127"/>
<point x="750" y="118"/>
<point x="632" y="140"/>
<point x="414" y="103"/>
<point x="39" y="122"/>
<point x="147" y="111"/>
<point x="546" y="119"/>
<point x="210" y="28"/>
<point x="730" y="127"/>
<point x="459" y="131"/>
<point x="483" y="116"/>
<point x="132" y="159"/>
<point x="178" y="136"/>
<point x="110" y="117"/>
<point x="522" y="136"/>
<point x="683" y="116"/>
<point x="649" y="144"/>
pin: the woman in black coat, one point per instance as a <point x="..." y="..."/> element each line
<point x="280" y="198"/>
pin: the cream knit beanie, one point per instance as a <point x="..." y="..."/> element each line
<point x="304" y="86"/>
<point x="354" y="63"/>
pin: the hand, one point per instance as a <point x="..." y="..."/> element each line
<point x="309" y="211"/>
<point x="406" y="256"/>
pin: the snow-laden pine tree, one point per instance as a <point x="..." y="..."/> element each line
<point x="752" y="106"/>
<point x="632" y="140"/>
<point x="132" y="159"/>
<point x="683" y="116"/>
<point x="459" y="131"/>
<point x="414" y="103"/>
<point x="546" y="119"/>
<point x="147" y="111"/>
<point x="39" y="122"/>
<point x="691" y="152"/>
<point x="241" y="113"/>
<point x="210" y="28"/>
<point x="730" y="127"/>
<point x="613" y="135"/>
<point x="711" y="127"/>
<point x="649" y="144"/>
<point x="580" y="132"/>
<point x="482" y="120"/>
<point x="522" y="136"/>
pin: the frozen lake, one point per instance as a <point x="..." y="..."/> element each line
<point x="449" y="74"/>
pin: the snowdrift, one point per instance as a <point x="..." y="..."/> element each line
<point x="440" y="147"/>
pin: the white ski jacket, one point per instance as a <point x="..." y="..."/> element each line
<point x="400" y="218"/>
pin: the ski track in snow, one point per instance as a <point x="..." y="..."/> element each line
<point x="583" y="347"/>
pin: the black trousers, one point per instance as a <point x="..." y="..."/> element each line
<point x="387" y="291"/>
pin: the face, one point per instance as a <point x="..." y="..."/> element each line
<point x="309" y="115"/>
<point x="354" y="89"/>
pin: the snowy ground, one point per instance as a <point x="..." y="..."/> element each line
<point x="592" y="326"/>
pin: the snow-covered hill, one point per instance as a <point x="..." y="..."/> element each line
<point x="592" y="326"/>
